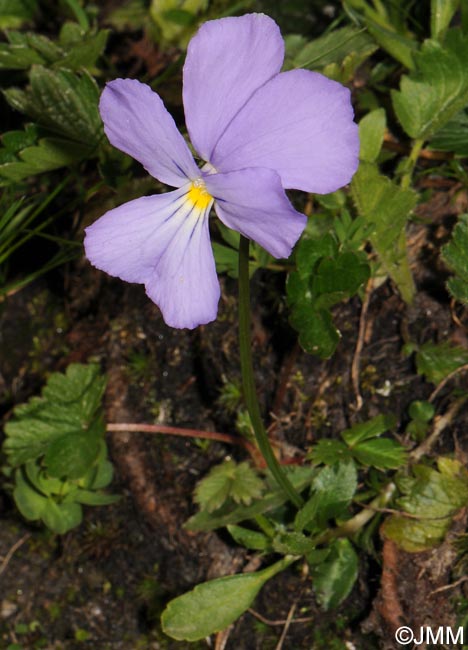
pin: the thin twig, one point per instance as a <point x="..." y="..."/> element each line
<point x="12" y="551"/>
<point x="451" y="586"/>
<point x="440" y="423"/>
<point x="186" y="433"/>
<point x="356" y="365"/>
<point x="445" y="381"/>
<point x="278" y="622"/>
<point x="287" y="624"/>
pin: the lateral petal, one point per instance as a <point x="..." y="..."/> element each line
<point x="162" y="242"/>
<point x="137" y="122"/>
<point x="227" y="61"/>
<point x="300" y="124"/>
<point x="253" y="202"/>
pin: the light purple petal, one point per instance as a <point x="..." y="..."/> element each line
<point x="137" y="122"/>
<point x="253" y="202"/>
<point x="300" y="124"/>
<point x="162" y="242"/>
<point x="227" y="60"/>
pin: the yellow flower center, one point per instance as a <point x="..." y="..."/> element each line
<point x="198" y="195"/>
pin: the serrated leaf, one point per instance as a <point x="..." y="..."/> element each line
<point x="72" y="456"/>
<point x="383" y="453"/>
<point x="329" y="452"/>
<point x="455" y="255"/>
<point x="437" y="360"/>
<point x="300" y="477"/>
<point x="386" y="206"/>
<point x="335" y="577"/>
<point x="369" y="429"/>
<point x="433" y="497"/>
<point x="84" y="53"/>
<point x="371" y="134"/>
<point x="62" y="101"/>
<point x="251" y="539"/>
<point x="437" y="90"/>
<point x="212" y="606"/>
<point x="331" y="493"/>
<point x="228" y="481"/>
<point x="68" y="406"/>
<point x="294" y="543"/>
<point x="325" y="275"/>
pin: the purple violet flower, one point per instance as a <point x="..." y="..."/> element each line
<point x="260" y="131"/>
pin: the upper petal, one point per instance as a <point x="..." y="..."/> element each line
<point x="300" y="124"/>
<point x="137" y="122"/>
<point x="163" y="242"/>
<point x="253" y="202"/>
<point x="227" y="60"/>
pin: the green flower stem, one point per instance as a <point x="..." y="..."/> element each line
<point x="411" y="163"/>
<point x="248" y="382"/>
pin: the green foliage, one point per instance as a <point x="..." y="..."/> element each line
<point x="177" y="19"/>
<point x="437" y="360"/>
<point x="325" y="275"/>
<point x="74" y="50"/>
<point x="431" y="497"/>
<point x="421" y="414"/>
<point x="212" y="606"/>
<point x="334" y="578"/>
<point x="437" y="89"/>
<point x="228" y="481"/>
<point x="13" y="13"/>
<point x="455" y="255"/>
<point x="442" y="12"/>
<point x="337" y="53"/>
<point x="68" y="127"/>
<point x="272" y="499"/>
<point x="386" y="207"/>
<point x="56" y="442"/>
<point x="371" y="134"/>
<point x="453" y="136"/>
<point x="251" y="539"/>
<point x="362" y="443"/>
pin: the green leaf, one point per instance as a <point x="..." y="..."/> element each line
<point x="72" y="456"/>
<point x="437" y="360"/>
<point x="251" y="539"/>
<point x="369" y="429"/>
<point x="437" y="90"/>
<point x="62" y="101"/>
<point x="13" y="13"/>
<point x="332" y="491"/>
<point x="330" y="452"/>
<point x="331" y="48"/>
<point x="335" y="577"/>
<point x="453" y="136"/>
<point x="228" y="481"/>
<point x="62" y="517"/>
<point x="212" y="606"/>
<point x="84" y="54"/>
<point x="442" y="12"/>
<point x="433" y="497"/>
<point x="300" y="478"/>
<point x="293" y="543"/>
<point x="455" y="255"/>
<point x="371" y="134"/>
<point x="325" y="275"/>
<point x="383" y="453"/>
<point x="386" y="206"/>
<point x="68" y="406"/>
<point x="29" y="501"/>
<point x="93" y="498"/>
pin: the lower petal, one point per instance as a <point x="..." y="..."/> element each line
<point x="162" y="242"/>
<point x="253" y="202"/>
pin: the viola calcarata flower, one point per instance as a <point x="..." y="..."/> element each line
<point x="258" y="131"/>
